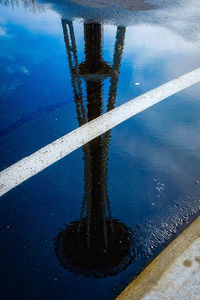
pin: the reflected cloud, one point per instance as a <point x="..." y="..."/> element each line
<point x="168" y="143"/>
<point x="24" y="70"/>
<point x="37" y="22"/>
<point x="145" y="43"/>
<point x="152" y="42"/>
<point x="2" y="31"/>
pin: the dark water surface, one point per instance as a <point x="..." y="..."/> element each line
<point x="86" y="226"/>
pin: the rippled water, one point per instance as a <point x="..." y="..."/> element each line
<point x="87" y="225"/>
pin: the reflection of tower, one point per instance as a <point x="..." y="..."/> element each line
<point x="97" y="244"/>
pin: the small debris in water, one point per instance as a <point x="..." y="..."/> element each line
<point x="160" y="187"/>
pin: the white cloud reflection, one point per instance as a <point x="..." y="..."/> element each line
<point x="47" y="22"/>
<point x="2" y="31"/>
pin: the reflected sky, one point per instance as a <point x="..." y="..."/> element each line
<point x="135" y="187"/>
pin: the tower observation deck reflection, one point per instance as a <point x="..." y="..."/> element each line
<point x="97" y="244"/>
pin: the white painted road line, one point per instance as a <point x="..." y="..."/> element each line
<point x="46" y="156"/>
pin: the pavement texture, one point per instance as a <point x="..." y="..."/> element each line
<point x="174" y="274"/>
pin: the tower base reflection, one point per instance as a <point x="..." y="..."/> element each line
<point x="94" y="258"/>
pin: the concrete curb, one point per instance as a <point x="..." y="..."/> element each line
<point x="173" y="274"/>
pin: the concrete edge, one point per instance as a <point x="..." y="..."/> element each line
<point x="148" y="279"/>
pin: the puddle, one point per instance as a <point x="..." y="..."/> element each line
<point x="86" y="226"/>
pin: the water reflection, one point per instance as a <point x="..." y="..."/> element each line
<point x="97" y="244"/>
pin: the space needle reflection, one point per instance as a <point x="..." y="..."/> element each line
<point x="97" y="244"/>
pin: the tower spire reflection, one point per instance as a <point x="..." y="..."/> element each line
<point x="97" y="244"/>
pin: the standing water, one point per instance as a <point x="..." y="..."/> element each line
<point x="84" y="227"/>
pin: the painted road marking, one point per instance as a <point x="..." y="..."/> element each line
<point x="48" y="155"/>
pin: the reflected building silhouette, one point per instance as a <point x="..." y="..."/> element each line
<point x="97" y="244"/>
